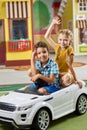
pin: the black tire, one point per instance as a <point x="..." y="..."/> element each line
<point x="81" y="106"/>
<point x="41" y="120"/>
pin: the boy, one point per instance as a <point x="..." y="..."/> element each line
<point x="44" y="69"/>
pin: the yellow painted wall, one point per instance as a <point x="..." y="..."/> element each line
<point x="68" y="14"/>
<point x="19" y="55"/>
<point x="2" y="10"/>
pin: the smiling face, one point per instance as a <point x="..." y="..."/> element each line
<point x="63" y="40"/>
<point x="42" y="54"/>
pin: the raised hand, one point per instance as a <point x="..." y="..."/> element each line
<point x="34" y="55"/>
<point x="57" y="20"/>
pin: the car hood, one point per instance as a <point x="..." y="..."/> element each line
<point x="17" y="98"/>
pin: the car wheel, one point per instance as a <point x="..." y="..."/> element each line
<point x="42" y="120"/>
<point x="81" y="106"/>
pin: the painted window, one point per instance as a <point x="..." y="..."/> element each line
<point x="82" y="5"/>
<point x="18" y="29"/>
<point x="83" y="36"/>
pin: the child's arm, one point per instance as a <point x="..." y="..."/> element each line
<point x="49" y="79"/>
<point x="33" y="67"/>
<point x="29" y="72"/>
<point x="70" y="64"/>
<point x="48" y="37"/>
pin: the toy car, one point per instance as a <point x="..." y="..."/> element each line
<point x="27" y="110"/>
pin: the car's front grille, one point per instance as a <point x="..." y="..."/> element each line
<point x="7" y="106"/>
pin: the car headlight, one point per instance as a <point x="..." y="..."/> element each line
<point x="24" y="108"/>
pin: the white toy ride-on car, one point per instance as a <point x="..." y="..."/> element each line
<point x="31" y="110"/>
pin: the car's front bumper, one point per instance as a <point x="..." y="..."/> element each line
<point x="17" y="119"/>
<point x="9" y="121"/>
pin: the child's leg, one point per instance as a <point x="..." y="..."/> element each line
<point x="48" y="89"/>
<point x="43" y="91"/>
<point x="30" y="86"/>
<point x="67" y="79"/>
<point x="25" y="87"/>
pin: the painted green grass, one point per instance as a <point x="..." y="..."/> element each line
<point x="11" y="87"/>
<point x="70" y="122"/>
<point x="6" y="89"/>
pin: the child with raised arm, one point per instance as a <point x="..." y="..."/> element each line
<point x="64" y="53"/>
<point x="45" y="69"/>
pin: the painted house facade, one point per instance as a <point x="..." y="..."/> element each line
<point x="76" y="20"/>
<point x="80" y="26"/>
<point x="15" y="32"/>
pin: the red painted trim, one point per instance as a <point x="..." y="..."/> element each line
<point x="42" y="32"/>
<point x="17" y="63"/>
<point x="55" y="4"/>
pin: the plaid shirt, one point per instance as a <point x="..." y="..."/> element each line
<point x="50" y="68"/>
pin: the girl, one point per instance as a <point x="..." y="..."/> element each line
<point x="63" y="50"/>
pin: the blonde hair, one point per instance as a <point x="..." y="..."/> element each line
<point x="68" y="33"/>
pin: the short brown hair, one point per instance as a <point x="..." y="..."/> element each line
<point x="41" y="44"/>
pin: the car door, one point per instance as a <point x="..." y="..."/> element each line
<point x="62" y="102"/>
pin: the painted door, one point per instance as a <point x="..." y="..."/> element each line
<point x="2" y="44"/>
